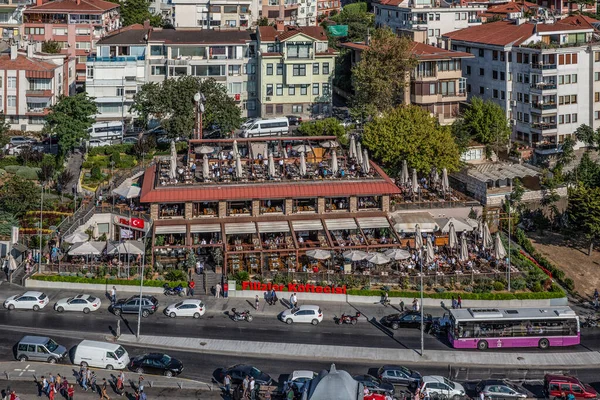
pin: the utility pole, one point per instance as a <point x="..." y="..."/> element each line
<point x="41" y="225"/>
<point x="139" y="322"/>
<point x="421" y="305"/>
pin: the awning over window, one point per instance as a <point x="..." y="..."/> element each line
<point x="241" y="228"/>
<point x="273" y="226"/>
<point x="37" y="99"/>
<point x="340" y="224"/>
<point x="307" y="225"/>
<point x="373" y="222"/>
<point x="161" y="230"/>
<point x="205" y="228"/>
<point x="406" y="222"/>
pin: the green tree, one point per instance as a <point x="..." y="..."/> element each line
<point x="461" y="134"/>
<point x="358" y="19"/>
<point x="565" y="157"/>
<point x="381" y="75"/>
<point x="587" y="173"/>
<point x="4" y="131"/>
<point x="582" y="3"/>
<point x="7" y="221"/>
<point x="136" y="12"/>
<point x="51" y="46"/>
<point x="412" y="134"/>
<point x="62" y="181"/>
<point x="264" y="21"/>
<point x="172" y="103"/>
<point x="69" y="120"/>
<point x="586" y="134"/>
<point x="18" y="196"/>
<point x="486" y="122"/>
<point x="516" y="195"/>
<point x="584" y="212"/>
<point x="324" y="127"/>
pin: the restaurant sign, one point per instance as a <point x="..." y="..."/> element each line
<point x="135" y="223"/>
<point x="293" y="287"/>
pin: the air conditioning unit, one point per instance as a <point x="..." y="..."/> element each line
<point x="87" y="50"/>
<point x="267" y="98"/>
<point x="513" y="122"/>
<point x="513" y="103"/>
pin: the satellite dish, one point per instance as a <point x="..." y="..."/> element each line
<point x="197" y="97"/>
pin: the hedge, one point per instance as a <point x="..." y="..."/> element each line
<point x="463" y="295"/>
<point x="77" y="279"/>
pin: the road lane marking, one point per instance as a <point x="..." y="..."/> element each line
<point x="26" y="369"/>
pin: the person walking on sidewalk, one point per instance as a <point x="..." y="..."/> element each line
<point x="113" y="295"/>
<point x="141" y="383"/>
<point x="293" y="301"/>
<point x="218" y="290"/>
<point x="70" y="392"/>
<point x="120" y="386"/>
<point x="245" y="386"/>
<point x="44" y="387"/>
<point x="191" y="286"/>
<point x="51" y="391"/>
<point x="84" y="380"/>
<point x="92" y="381"/>
<point x="227" y="382"/>
<point x="256" y="303"/>
<point x="459" y="302"/>
<point x="103" y="390"/>
<point x="251" y="389"/>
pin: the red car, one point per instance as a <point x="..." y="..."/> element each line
<point x="557" y="386"/>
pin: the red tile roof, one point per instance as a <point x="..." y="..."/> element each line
<point x="421" y="51"/>
<point x="23" y="63"/>
<point x="92" y="6"/>
<point x="510" y="7"/>
<point x="270" y="34"/>
<point x="499" y="33"/>
<point x="390" y="2"/>
<point x="578" y="21"/>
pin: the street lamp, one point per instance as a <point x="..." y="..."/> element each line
<point x="422" y="316"/>
<point x="41" y="224"/>
<point x="142" y="285"/>
<point x="199" y="99"/>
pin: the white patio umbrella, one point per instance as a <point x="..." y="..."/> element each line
<point x="302" y="148"/>
<point x="397" y="254"/>
<point x="480" y="228"/>
<point x="329" y="144"/>
<point x="129" y="192"/>
<point x="238" y="167"/>
<point x="464" y="252"/>
<point x="173" y="169"/>
<point x="302" y="164"/>
<point x="365" y="164"/>
<point x="418" y="237"/>
<point x="445" y="183"/>
<point x="77" y="237"/>
<point x="236" y="151"/>
<point x="487" y="237"/>
<point x="285" y="154"/>
<point x="499" y="251"/>
<point x="352" y="149"/>
<point x="204" y="149"/>
<point x="87" y="248"/>
<point x="319" y="254"/>
<point x="452" y="239"/>
<point x="334" y="162"/>
<point x="435" y="176"/>
<point x="265" y="152"/>
<point x="429" y="255"/>
<point x="271" y="165"/>
<point x="355" y="255"/>
<point x="378" y="258"/>
<point x="415" y="182"/>
<point x="359" y="154"/>
<point x="129" y="247"/>
<point x="404" y="174"/>
<point x="205" y="169"/>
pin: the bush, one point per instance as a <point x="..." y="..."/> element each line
<point x="12" y="169"/>
<point x="466" y="295"/>
<point x="537" y="287"/>
<point x="107" y="150"/>
<point x="175" y="275"/>
<point x="499" y="286"/>
<point x="75" y="279"/>
<point x="518" y="284"/>
<point x="569" y="284"/>
<point x="8" y="160"/>
<point x="28" y="173"/>
<point x="115" y="157"/>
<point x="96" y="173"/>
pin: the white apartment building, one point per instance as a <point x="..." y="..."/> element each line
<point x="210" y="14"/>
<point x="164" y="8"/>
<point x="426" y="21"/>
<point x="545" y="75"/>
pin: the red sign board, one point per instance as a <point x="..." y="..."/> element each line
<point x="135" y="223"/>
<point x="294" y="287"/>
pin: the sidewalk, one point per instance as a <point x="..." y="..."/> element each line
<point x="366" y="354"/>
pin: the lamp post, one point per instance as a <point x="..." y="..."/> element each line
<point x="112" y="182"/>
<point x="199" y="99"/>
<point x="139" y="322"/>
<point x="41" y="224"/>
<point x="421" y="304"/>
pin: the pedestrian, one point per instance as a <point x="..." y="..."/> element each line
<point x="142" y="395"/>
<point x="256" y="303"/>
<point x="51" y="391"/>
<point x="50" y="378"/>
<point x="5" y="269"/>
<point x="293" y="301"/>
<point x="245" y="386"/>
<point x="596" y="297"/>
<point x="45" y="386"/>
<point x="81" y="373"/>
<point x="119" y="386"/>
<point x="13" y="395"/>
<point x="251" y="387"/>
<point x="415" y="304"/>
<point x="141" y="383"/>
<point x="84" y="381"/>
<point x="191" y="286"/>
<point x="227" y="382"/>
<point x="113" y="295"/>
<point x="70" y="392"/>
<point x="122" y="376"/>
<point x="273" y="297"/>
<point x="58" y="381"/>
<point x="401" y="305"/>
<point x="91" y="378"/>
<point x="136" y="395"/>
<point x="103" y="390"/>
<point x="459" y="301"/>
<point x="454" y="303"/>
<point x="218" y="290"/>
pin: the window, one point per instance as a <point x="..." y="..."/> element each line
<point x="83" y="45"/>
<point x="157" y="70"/>
<point x="597" y="56"/>
<point x="299" y="69"/>
<point x="495" y="93"/>
<point x="503" y="95"/>
<point x="526" y="118"/>
<point x="296" y="108"/>
<point x="437" y="16"/>
<point x="269" y="109"/>
<point x="230" y="9"/>
<point x="303" y="90"/>
<point x="292" y="90"/>
<point x="280" y="69"/>
<point x="481" y="71"/>
<point x="35" y="31"/>
<point x="325" y="68"/>
<point x="59" y="31"/>
<point x="315" y="90"/>
<point x="596" y="114"/>
<point x="574" y="118"/>
<point x="468" y="88"/>
<point x="316" y="69"/>
<point x="12" y="101"/>
<point x="12" y="82"/>
<point x="525" y="98"/>
<point x="82" y="31"/>
<point x="481" y="52"/>
<point x="597" y="76"/>
<point x="215" y="9"/>
<point x="494" y="74"/>
<point x="269" y="69"/>
<point x="120" y="91"/>
<point x="234" y="88"/>
<point x="235" y="70"/>
<point x="495" y="55"/>
<point x="326" y="89"/>
<point x="481" y="90"/>
<point x="502" y="76"/>
<point x="468" y="70"/>
<point x="279" y="89"/>
<point x="520" y="97"/>
<point x="279" y="108"/>
<point x="597" y="96"/>
<point x="270" y="89"/>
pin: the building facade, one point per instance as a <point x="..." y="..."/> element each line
<point x="76" y="24"/>
<point x="295" y="71"/>
<point x="206" y="14"/>
<point x="32" y="82"/>
<point x="11" y="17"/>
<point x="425" y="21"/>
<point x="164" y="8"/>
<point x="546" y="76"/>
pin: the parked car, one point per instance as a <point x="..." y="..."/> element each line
<point x="50" y="141"/>
<point x="497" y="389"/>
<point x="294" y="119"/>
<point x="40" y="348"/>
<point x="375" y="385"/>
<point x="186" y="308"/>
<point x="82" y="303"/>
<point x="249" y="122"/>
<point x="298" y="379"/>
<point x="132" y="305"/>
<point x="130" y="140"/>
<point x="156" y="363"/>
<point x="407" y="319"/>
<point x="19" y="140"/>
<point x="27" y="301"/>
<point x="308" y="314"/>
<point x="240" y="371"/>
<point x="442" y="387"/>
<point x="97" y="143"/>
<point x="212" y="134"/>
<point x="399" y="375"/>
<point x="91" y="353"/>
<point x="556" y="385"/>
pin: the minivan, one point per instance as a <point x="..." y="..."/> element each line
<point x="267" y="127"/>
<point x="558" y="386"/>
<point x="40" y="348"/>
<point x="90" y="353"/>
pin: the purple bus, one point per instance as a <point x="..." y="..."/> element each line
<point x="483" y="328"/>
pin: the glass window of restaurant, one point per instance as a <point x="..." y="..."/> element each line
<point x="276" y="206"/>
<point x="239" y="207"/>
<point x="169" y="239"/>
<point x="305" y="205"/>
<point x="336" y="204"/>
<point x="166" y="211"/>
<point x="379" y="236"/>
<point x="369" y="203"/>
<point x="205" y="209"/>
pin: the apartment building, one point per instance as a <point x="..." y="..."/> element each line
<point x="30" y="82"/>
<point x="11" y="17"/>
<point x="546" y="75"/>
<point x="215" y="13"/>
<point x="76" y="24"/>
<point x="295" y="71"/>
<point x="436" y="83"/>
<point x="425" y="21"/>
<point x="164" y="8"/>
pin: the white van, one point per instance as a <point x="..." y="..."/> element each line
<point x="106" y="130"/>
<point x="267" y="127"/>
<point x="100" y="355"/>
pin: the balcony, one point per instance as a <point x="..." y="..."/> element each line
<point x="544" y="67"/>
<point x="542" y="86"/>
<point x="546" y="148"/>
<point x="544" y="106"/>
<point x="543" y="127"/>
<point x="475" y="20"/>
<point x="38" y="93"/>
<point x="116" y="59"/>
<point x="37" y="111"/>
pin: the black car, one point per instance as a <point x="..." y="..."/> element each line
<point x="497" y="389"/>
<point x="240" y="371"/>
<point x="399" y="375"/>
<point x="407" y="319"/>
<point x="375" y="385"/>
<point x="132" y="306"/>
<point x="294" y="119"/>
<point x="156" y="363"/>
<point x="212" y="134"/>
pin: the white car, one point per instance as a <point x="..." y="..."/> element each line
<point x="19" y="140"/>
<point x="27" y="301"/>
<point x="97" y="143"/>
<point x="300" y="380"/>
<point x="442" y="387"/>
<point x="309" y="314"/>
<point x="130" y="140"/>
<point x="82" y="303"/>
<point x="186" y="308"/>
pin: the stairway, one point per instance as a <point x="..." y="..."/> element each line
<point x="210" y="280"/>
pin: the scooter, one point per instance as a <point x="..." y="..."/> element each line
<point x="177" y="290"/>
<point x="241" y="316"/>
<point x="348" y="319"/>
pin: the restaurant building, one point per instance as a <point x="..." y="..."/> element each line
<point x="259" y="206"/>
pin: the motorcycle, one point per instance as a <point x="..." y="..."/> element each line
<point x="176" y="291"/>
<point x="241" y="316"/>
<point x="348" y="319"/>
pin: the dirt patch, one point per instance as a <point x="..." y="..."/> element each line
<point x="571" y="257"/>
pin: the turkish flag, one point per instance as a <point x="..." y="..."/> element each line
<point x="137" y="223"/>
